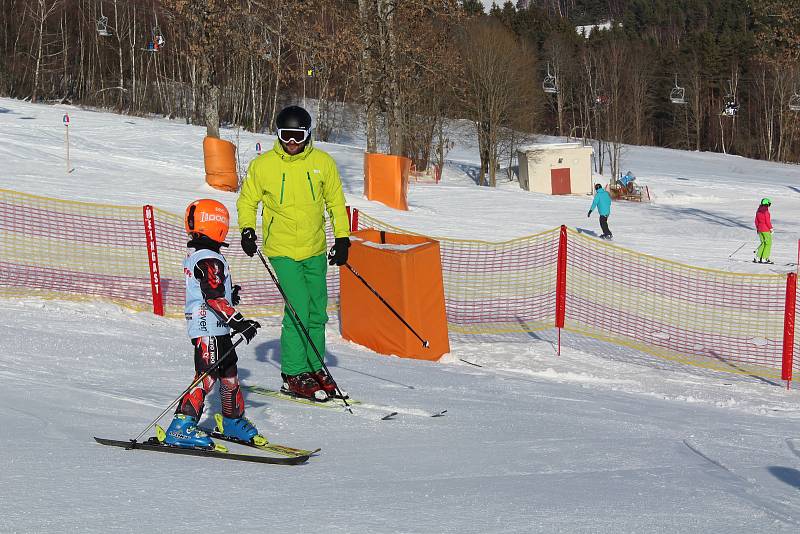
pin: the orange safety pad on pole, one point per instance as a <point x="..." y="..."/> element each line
<point x="220" y="161"/>
<point x="386" y="179"/>
<point x="406" y="271"/>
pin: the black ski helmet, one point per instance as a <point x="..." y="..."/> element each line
<point x="293" y="117"/>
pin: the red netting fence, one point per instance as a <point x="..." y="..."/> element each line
<point x="741" y="323"/>
<point x="84" y="251"/>
<point x="714" y="319"/>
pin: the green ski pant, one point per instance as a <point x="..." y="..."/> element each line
<point x="765" y="248"/>
<point x="307" y="290"/>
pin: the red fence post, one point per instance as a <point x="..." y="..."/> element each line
<point x="152" y="259"/>
<point x="788" y="328"/>
<point x="354" y="220"/>
<point x="561" y="283"/>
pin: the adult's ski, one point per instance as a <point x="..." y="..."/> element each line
<point x="334" y="403"/>
<point x="153" y="444"/>
<point x="337" y="403"/>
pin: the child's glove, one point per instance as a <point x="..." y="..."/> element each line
<point x="589" y="214"/>
<point x="235" y="299"/>
<point x="246" y="327"/>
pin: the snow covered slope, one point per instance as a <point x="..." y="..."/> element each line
<point x="600" y="439"/>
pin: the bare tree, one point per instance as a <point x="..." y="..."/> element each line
<point x="40" y="11"/>
<point x="499" y="90"/>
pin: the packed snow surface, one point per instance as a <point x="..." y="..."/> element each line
<point x="599" y="439"/>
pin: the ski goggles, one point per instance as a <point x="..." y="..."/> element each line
<point x="298" y="135"/>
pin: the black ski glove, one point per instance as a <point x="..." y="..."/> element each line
<point x="338" y="254"/>
<point x="246" y="327"/>
<point x="589" y="214"/>
<point x="249" y="241"/>
<point x="235" y="299"/>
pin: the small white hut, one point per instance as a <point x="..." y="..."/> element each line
<point x="556" y="168"/>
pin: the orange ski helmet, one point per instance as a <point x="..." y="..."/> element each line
<point x="207" y="217"/>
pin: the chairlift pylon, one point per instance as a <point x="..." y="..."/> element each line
<point x="678" y="94"/>
<point x="550" y="84"/>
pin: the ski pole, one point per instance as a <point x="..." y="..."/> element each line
<point x="185" y="391"/>
<point x="424" y="341"/>
<point x="303" y="328"/>
<point x="738" y="249"/>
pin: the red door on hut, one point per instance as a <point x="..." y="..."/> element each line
<point x="560" y="182"/>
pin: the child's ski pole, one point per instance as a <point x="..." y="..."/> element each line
<point x="185" y="391"/>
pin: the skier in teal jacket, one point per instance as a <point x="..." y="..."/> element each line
<point x="602" y="201"/>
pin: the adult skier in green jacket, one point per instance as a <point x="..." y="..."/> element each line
<point x="295" y="183"/>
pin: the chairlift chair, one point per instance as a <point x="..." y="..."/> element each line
<point x="678" y="94"/>
<point x="102" y="26"/>
<point x="794" y="102"/>
<point x="600" y="101"/>
<point x="550" y="85"/>
<point x="731" y="107"/>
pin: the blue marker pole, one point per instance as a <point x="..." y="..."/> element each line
<point x="258" y="148"/>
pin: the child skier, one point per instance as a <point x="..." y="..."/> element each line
<point x="764" y="229"/>
<point x="210" y="316"/>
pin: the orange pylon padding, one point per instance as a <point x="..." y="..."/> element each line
<point x="407" y="272"/>
<point x="386" y="179"/>
<point x="220" y="162"/>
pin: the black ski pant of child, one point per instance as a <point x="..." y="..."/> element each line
<point x="604" y="225"/>
<point x="207" y="351"/>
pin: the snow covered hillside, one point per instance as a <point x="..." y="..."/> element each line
<point x="599" y="439"/>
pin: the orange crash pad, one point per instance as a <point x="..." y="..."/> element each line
<point x="386" y="179"/>
<point x="406" y="271"/>
<point x="220" y="163"/>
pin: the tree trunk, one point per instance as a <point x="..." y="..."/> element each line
<point x="394" y="103"/>
<point x="121" y="91"/>
<point x="39" y="38"/>
<point x="368" y="75"/>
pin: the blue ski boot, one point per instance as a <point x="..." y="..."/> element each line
<point x="240" y="428"/>
<point x="183" y="432"/>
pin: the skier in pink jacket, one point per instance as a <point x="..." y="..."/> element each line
<point x="764" y="229"/>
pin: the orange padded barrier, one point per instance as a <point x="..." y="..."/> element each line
<point x="386" y="179"/>
<point x="406" y="271"/>
<point x="220" y="160"/>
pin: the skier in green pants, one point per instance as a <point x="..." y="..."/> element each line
<point x="296" y="182"/>
<point x="764" y="229"/>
